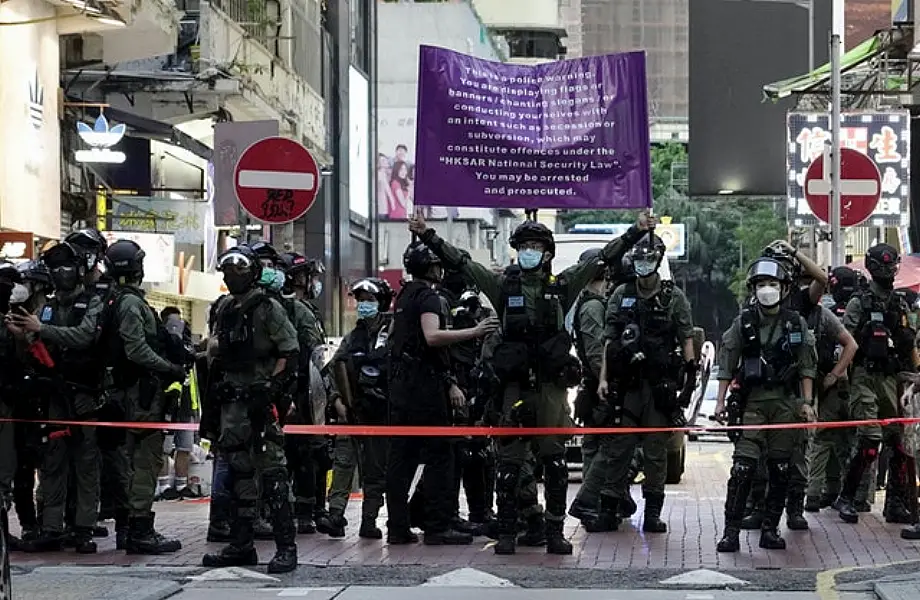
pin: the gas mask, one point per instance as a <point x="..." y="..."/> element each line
<point x="645" y="267"/>
<point x="65" y="278"/>
<point x="237" y="282"/>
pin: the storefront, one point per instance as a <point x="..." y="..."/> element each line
<point x="30" y="144"/>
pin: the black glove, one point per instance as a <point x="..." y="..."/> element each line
<point x="175" y="373"/>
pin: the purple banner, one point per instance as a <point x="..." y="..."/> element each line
<point x="566" y="134"/>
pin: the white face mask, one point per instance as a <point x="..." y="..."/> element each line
<point x="768" y="296"/>
<point x="20" y="294"/>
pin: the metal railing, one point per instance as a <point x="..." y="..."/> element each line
<point x="254" y="17"/>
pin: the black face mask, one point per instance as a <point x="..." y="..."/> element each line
<point x="886" y="283"/>
<point x="6" y="290"/>
<point x="238" y="283"/>
<point x="65" y="279"/>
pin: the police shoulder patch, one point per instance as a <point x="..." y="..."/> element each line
<point x="627" y="302"/>
<point x="515" y="301"/>
<point x="795" y="337"/>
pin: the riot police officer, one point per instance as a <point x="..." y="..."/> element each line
<point x="308" y="456"/>
<point x="360" y="368"/>
<point x="91" y="245"/>
<point x="836" y="349"/>
<point x="649" y="337"/>
<point x="770" y="349"/>
<point x="70" y="391"/>
<point x="878" y="319"/>
<point x="256" y="355"/>
<point x="422" y="391"/>
<point x="140" y="374"/>
<point x="588" y="327"/>
<point x="532" y="362"/>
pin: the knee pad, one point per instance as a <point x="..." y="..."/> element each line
<point x="779" y="467"/>
<point x="555" y="463"/>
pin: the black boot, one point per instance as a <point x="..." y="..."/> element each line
<point x="739" y="487"/>
<point x="753" y="520"/>
<point x="240" y="552"/>
<point x="332" y="525"/>
<point x="369" y="529"/>
<point x="814" y="504"/>
<point x="774" y="504"/>
<point x="627" y="507"/>
<point x="121" y="529"/>
<point x="866" y="453"/>
<point x="911" y="533"/>
<point x="277" y="501"/>
<point x="284" y="560"/>
<point x="896" y="493"/>
<point x="306" y="526"/>
<point x="581" y="511"/>
<point x="83" y="540"/>
<point x="535" y="534"/>
<point x="652" y="522"/>
<point x="220" y="531"/>
<point x="143" y="538"/>
<point x="607" y="519"/>
<point x="555" y="539"/>
<point x="47" y="541"/>
<point x="507" y="479"/>
<point x="753" y="517"/>
<point x="795" y="507"/>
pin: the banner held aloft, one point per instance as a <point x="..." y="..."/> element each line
<point x="566" y="134"/>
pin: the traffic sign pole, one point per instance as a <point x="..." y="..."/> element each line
<point x="837" y="241"/>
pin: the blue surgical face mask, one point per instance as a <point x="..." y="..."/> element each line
<point x="530" y="259"/>
<point x="368" y="309"/>
<point x="272" y="279"/>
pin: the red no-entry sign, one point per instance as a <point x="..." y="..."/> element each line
<point x="276" y="180"/>
<point x="860" y="187"/>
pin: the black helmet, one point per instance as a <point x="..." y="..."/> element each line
<point x="89" y="243"/>
<point x="418" y="259"/>
<point x="315" y="267"/>
<point x="125" y="259"/>
<point x="533" y="231"/>
<point x="9" y="272"/>
<point x="594" y="254"/>
<point x="34" y="271"/>
<point x="767" y="268"/>
<point x="63" y="254"/>
<point x="241" y="256"/>
<point x="792" y="266"/>
<point x="265" y="251"/>
<point x="647" y="254"/>
<point x="882" y="262"/>
<point x="843" y="282"/>
<point x="377" y="287"/>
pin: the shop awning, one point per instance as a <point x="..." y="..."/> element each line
<point x="859" y="55"/>
<point x="158" y="130"/>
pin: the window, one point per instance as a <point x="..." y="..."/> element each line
<point x="360" y="35"/>
<point x="532" y="44"/>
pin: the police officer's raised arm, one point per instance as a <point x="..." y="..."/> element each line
<point x="455" y="259"/>
<point x="130" y="315"/>
<point x="80" y="337"/>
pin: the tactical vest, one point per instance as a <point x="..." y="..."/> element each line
<point x="657" y="330"/>
<point x="124" y="372"/>
<point x="878" y="332"/>
<point x="367" y="369"/>
<point x="83" y="366"/>
<point x="516" y="324"/>
<point x="583" y="298"/>
<point x="776" y="364"/>
<point x="236" y="334"/>
<point x="826" y="345"/>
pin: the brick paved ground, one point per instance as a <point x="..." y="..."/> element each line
<point x="693" y="511"/>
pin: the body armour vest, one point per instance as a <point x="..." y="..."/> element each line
<point x="236" y="332"/>
<point x="516" y="323"/>
<point x="368" y="352"/>
<point x="657" y="331"/>
<point x="75" y="366"/>
<point x="882" y="332"/>
<point x="826" y="345"/>
<point x="771" y="364"/>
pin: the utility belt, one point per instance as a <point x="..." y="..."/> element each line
<point x="263" y="415"/>
<point x="533" y="361"/>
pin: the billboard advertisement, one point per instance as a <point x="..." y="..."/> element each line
<point x="359" y="187"/>
<point x="736" y="139"/>
<point x="395" y="172"/>
<point x="883" y="136"/>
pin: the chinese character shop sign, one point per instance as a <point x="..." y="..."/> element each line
<point x="883" y="137"/>
<point x="276" y="180"/>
